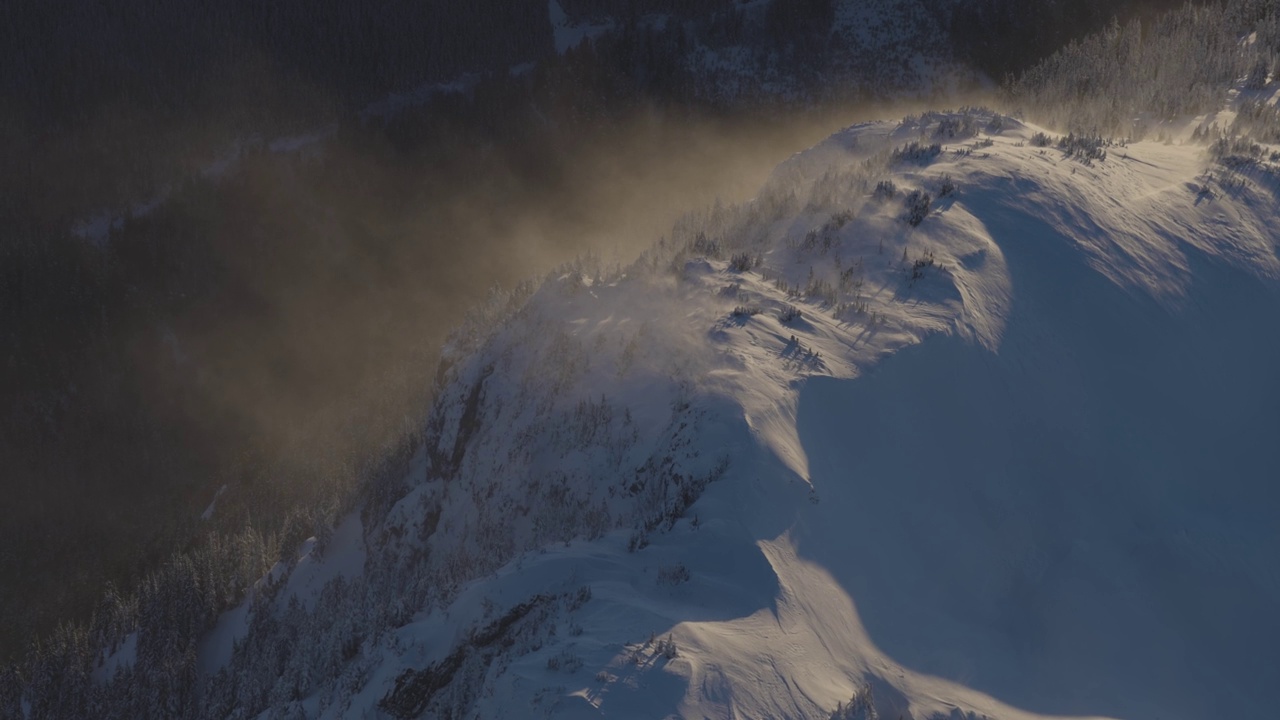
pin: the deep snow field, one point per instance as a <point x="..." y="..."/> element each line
<point x="1019" y="460"/>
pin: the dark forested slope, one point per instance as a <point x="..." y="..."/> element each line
<point x="217" y="267"/>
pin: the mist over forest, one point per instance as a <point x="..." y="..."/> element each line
<point x="234" y="235"/>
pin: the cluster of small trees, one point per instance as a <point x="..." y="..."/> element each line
<point x="921" y="264"/>
<point x="1084" y="147"/>
<point x="916" y="151"/>
<point x="861" y="706"/>
<point x="916" y="206"/>
<point x="743" y="262"/>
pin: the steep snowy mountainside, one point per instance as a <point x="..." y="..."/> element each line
<point x="953" y="420"/>
<point x="1051" y="504"/>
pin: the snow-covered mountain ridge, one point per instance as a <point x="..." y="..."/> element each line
<point x="976" y="421"/>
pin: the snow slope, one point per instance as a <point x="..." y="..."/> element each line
<point x="1016" y="460"/>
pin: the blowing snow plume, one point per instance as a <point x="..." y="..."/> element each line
<point x="254" y="282"/>
<point x="819" y="452"/>
<point x="273" y="325"/>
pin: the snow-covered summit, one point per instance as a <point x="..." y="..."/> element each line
<point x="955" y="418"/>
